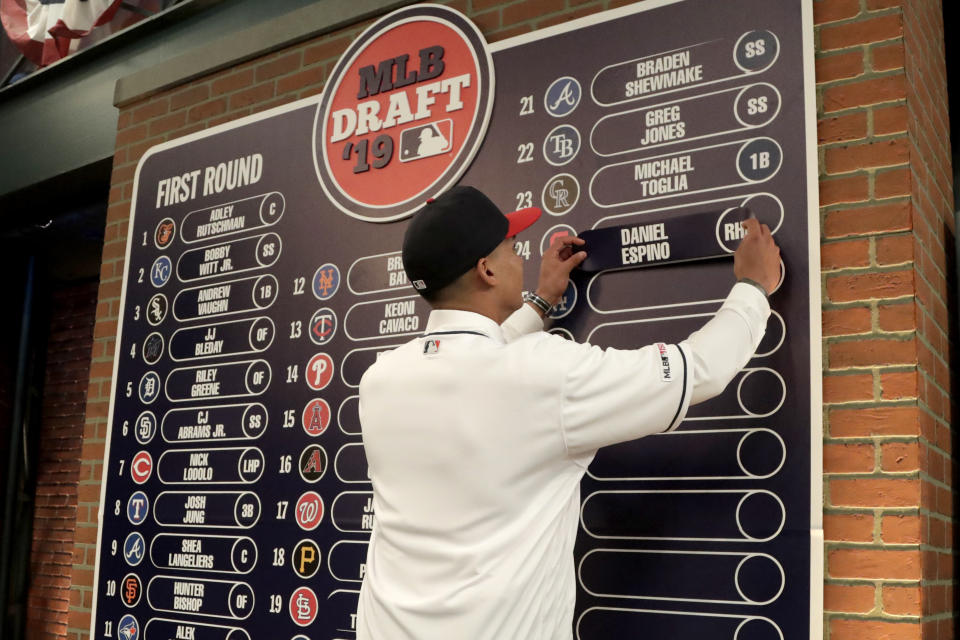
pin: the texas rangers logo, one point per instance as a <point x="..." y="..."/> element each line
<point x="326" y="281"/>
<point x="138" y="506"/>
<point x="133" y="549"/>
<point x="562" y="96"/>
<point x="164" y="233"/>
<point x="304" y="606"/>
<point x="403" y="113"/>
<point x="160" y="271"/>
<point x="141" y="467"/>
<point x="128" y="628"/>
<point x="309" y="511"/>
<point x="316" y="417"/>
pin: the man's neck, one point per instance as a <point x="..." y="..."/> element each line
<point x="482" y="306"/>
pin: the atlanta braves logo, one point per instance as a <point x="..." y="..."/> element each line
<point x="425" y="95"/>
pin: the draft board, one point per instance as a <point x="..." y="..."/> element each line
<point x="236" y="503"/>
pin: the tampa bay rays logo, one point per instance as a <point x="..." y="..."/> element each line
<point x="326" y="281"/>
<point x="562" y="96"/>
<point x="561" y="145"/>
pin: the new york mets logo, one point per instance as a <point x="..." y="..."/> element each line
<point x="326" y="281"/>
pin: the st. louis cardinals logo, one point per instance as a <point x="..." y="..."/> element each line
<point x="303" y="606"/>
<point x="403" y="113"/>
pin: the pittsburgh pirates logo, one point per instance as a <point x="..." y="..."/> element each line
<point x="306" y="558"/>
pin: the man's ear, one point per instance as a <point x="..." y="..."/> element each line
<point x="484" y="270"/>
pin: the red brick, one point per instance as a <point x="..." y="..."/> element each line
<point x="866" y="286"/>
<point x="569" y="15"/>
<point x="845" y="255"/>
<point x="893" y="183"/>
<point x="865" y="93"/>
<point x="168" y="123"/>
<point x="842" y="322"/>
<point x="895" y="250"/>
<point x="843" y="66"/>
<point x="899" y="529"/>
<point x="848" y="458"/>
<point x="152" y="109"/>
<point x="861" y="32"/>
<point x="887" y="153"/>
<point x="890" y="120"/>
<point x="900" y="456"/>
<point x="232" y="82"/>
<point x="308" y="77"/>
<point x="253" y="95"/>
<point x="867" y="220"/>
<point x="875" y="5"/>
<point x="847" y="388"/>
<point x="901" y="601"/>
<point x="843" y="190"/>
<point x="898" y="386"/>
<point x="848" y="527"/>
<point x="189" y="96"/>
<point x="207" y="110"/>
<point x="897" y="317"/>
<point x="326" y="49"/>
<point x="278" y="66"/>
<point x="871" y="353"/>
<point x="530" y="9"/>
<point x="887" y="57"/>
<point x="848" y="598"/>
<point x="845" y="128"/>
<point x="873" y="564"/>
<point x="834" y="10"/>
<point x="853" y="629"/>
<point x="875" y="492"/>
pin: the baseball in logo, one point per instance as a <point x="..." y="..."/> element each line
<point x="304" y="606"/>
<point x="141" y="467"/>
<point x="404" y="112"/>
<point x="316" y="417"/>
<point x="309" y="510"/>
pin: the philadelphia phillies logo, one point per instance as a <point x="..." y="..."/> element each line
<point x="404" y="112"/>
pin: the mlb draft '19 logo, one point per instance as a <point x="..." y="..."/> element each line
<point x="404" y="112"/>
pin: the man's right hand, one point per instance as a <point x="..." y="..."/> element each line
<point x="555" y="267"/>
<point x="758" y="256"/>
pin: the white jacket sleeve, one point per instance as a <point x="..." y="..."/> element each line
<point x="724" y="345"/>
<point x="521" y="322"/>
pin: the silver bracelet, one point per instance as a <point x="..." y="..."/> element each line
<point x="538" y="302"/>
<point x="756" y="284"/>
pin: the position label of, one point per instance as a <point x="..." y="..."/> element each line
<point x="204" y="597"/>
<point x="218" y="509"/>
<point x="234" y="465"/>
<point x="218" y="422"/>
<point x="233" y="217"/>
<point x="231" y="338"/>
<point x="221" y="554"/>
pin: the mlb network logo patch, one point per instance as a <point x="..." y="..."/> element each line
<point x="431" y="347"/>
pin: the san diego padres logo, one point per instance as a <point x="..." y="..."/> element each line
<point x="404" y="112"/>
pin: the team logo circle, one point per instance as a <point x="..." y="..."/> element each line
<point x="157" y="309"/>
<point x="160" y="271"/>
<point x="306" y="558"/>
<point x="566" y="303"/>
<point x="323" y="326"/>
<point x="319" y="371"/>
<point x="164" y="233"/>
<point x="560" y="194"/>
<point x="134" y="548"/>
<point x="309" y="511"/>
<point x="145" y="427"/>
<point x="131" y="589"/>
<point x="561" y="145"/>
<point x="153" y="348"/>
<point x="553" y="233"/>
<point x="149" y="387"/>
<point x="128" y="628"/>
<point x="138" y="506"/>
<point x="304" y="606"/>
<point x="313" y="463"/>
<point x="562" y="96"/>
<point x="403" y="113"/>
<point x="141" y="467"/>
<point x="326" y="281"/>
<point x="316" y="417"/>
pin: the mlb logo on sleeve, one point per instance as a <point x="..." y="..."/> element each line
<point x="431" y="347"/>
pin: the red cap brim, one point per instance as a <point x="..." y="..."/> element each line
<point x="522" y="219"/>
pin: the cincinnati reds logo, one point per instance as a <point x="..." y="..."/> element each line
<point x="141" y="467"/>
<point x="404" y="112"/>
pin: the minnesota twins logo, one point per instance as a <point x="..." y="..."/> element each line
<point x="163" y="235"/>
<point x="323" y="325"/>
<point x="145" y="427"/>
<point x="160" y="271"/>
<point x="133" y="549"/>
<point x="152" y="348"/>
<point x="130" y="590"/>
<point x="562" y="96"/>
<point x="128" y="628"/>
<point x="326" y="281"/>
<point x="561" y="145"/>
<point x="313" y="463"/>
<point x="560" y="194"/>
<point x="157" y="309"/>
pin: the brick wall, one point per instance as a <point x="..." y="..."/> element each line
<point x="885" y="228"/>
<point x="58" y="462"/>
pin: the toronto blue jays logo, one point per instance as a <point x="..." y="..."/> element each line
<point x="128" y="628"/>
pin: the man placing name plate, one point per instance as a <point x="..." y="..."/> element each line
<point x="693" y="236"/>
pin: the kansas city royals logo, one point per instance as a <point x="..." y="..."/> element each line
<point x="128" y="628"/>
<point x="160" y="271"/>
<point x="157" y="309"/>
<point x="562" y="96"/>
<point x="323" y="325"/>
<point x="326" y="281"/>
<point x="133" y="549"/>
<point x="560" y="194"/>
<point x="149" y="387"/>
<point x="145" y="427"/>
<point x="138" y="506"/>
<point x="163" y="235"/>
<point x="561" y="145"/>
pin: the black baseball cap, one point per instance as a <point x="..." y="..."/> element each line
<point x="452" y="231"/>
